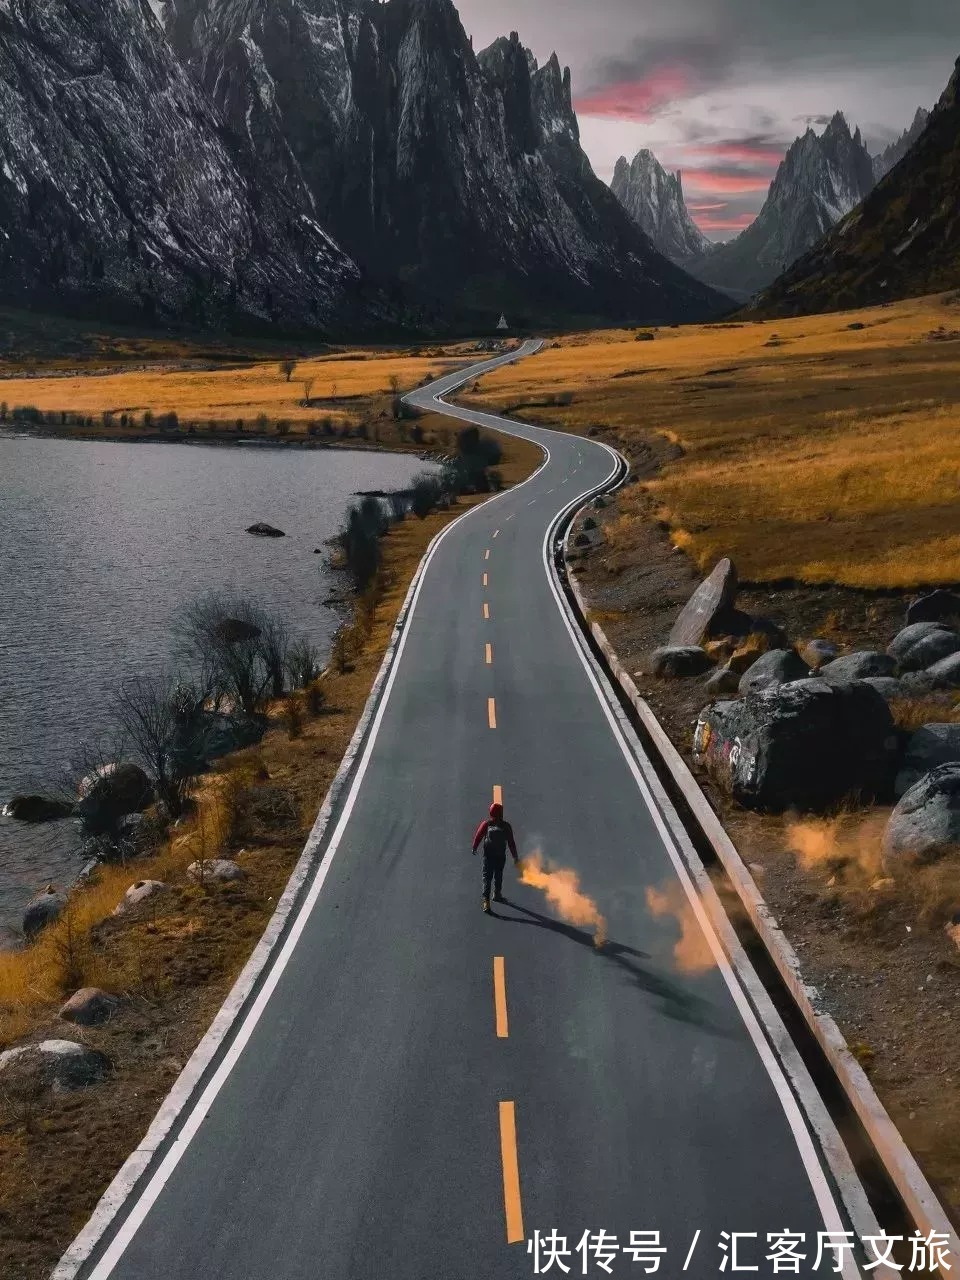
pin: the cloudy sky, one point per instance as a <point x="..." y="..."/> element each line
<point x="719" y="88"/>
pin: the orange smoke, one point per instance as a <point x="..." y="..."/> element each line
<point x="834" y="844"/>
<point x="562" y="887"/>
<point x="691" y="951"/>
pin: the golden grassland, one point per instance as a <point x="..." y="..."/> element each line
<point x="807" y="449"/>
<point x="172" y="960"/>
<point x="338" y="388"/>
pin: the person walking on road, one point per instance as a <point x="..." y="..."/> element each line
<point x="495" y="835"/>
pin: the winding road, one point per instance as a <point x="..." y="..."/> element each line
<point x="427" y="1087"/>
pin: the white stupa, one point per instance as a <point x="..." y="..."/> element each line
<point x="503" y="323"/>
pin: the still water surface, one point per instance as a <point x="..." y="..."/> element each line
<point x="101" y="544"/>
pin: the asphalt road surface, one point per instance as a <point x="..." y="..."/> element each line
<point x="429" y="1086"/>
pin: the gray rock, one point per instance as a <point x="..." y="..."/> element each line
<point x="887" y="686"/>
<point x="42" y="911"/>
<point x="775" y="667"/>
<point x="137" y="893"/>
<point x="916" y="684"/>
<point x="714" y="594"/>
<point x="265" y="531"/>
<point x="816" y="653"/>
<point x="858" y="666"/>
<point x="930" y="649"/>
<point x="722" y="682"/>
<point x="582" y="540"/>
<point x="110" y="794"/>
<point x="37" y="809"/>
<point x="89" y="1007"/>
<point x="61" y="1064"/>
<point x="904" y="640"/>
<point x="936" y="606"/>
<point x="925" y="825"/>
<point x="805" y="745"/>
<point x="599" y="503"/>
<point x="589" y="523"/>
<point x="220" y="869"/>
<point x="944" y="674"/>
<point x="680" y="660"/>
<point x="927" y="749"/>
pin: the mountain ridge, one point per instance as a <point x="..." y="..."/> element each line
<point x="653" y="198"/>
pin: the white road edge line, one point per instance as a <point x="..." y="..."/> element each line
<point x="181" y="1098"/>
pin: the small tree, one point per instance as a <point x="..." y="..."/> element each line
<point x="162" y="720"/>
<point x="303" y="663"/>
<point x="223" y="636"/>
<point x="288" y="367"/>
<point x="308" y="385"/>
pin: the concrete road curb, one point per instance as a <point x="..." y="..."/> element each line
<point x="918" y="1196"/>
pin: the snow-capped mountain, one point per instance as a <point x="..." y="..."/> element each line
<point x="904" y="240"/>
<point x="654" y="200"/>
<point x="117" y="185"/>
<point x="460" y="174"/>
<point x="821" y="178"/>
<point x="884" y="161"/>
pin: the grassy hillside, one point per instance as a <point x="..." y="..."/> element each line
<point x="822" y="450"/>
<point x="903" y="241"/>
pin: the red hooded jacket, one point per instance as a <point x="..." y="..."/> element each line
<point x="496" y="816"/>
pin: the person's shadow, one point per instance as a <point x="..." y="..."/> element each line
<point x="676" y="1001"/>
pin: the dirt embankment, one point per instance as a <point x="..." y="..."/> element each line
<point x="887" y="971"/>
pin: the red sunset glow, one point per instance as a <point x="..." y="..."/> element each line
<point x="636" y="99"/>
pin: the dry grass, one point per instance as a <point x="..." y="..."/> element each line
<point x="805" y="449"/>
<point x="344" y="388"/>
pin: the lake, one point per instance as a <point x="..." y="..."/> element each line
<point x="101" y="545"/>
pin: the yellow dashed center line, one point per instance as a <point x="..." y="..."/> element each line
<point x="488" y="655"/>
<point x="486" y="554"/>
<point x="511" y="1173"/>
<point x="492" y="713"/>
<point x="486" y="579"/>
<point x="495" y="532"/>
<point x="500" y="997"/>
<point x="486" y="611"/>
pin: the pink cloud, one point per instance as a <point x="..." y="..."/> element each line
<point x="703" y="180"/>
<point x="703" y="208"/>
<point x="738" y="153"/>
<point x="637" y="99"/>
<point x="737" y="222"/>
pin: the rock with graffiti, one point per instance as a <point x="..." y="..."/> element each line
<point x="804" y="745"/>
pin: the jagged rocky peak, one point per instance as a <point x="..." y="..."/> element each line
<point x="116" y="180"/>
<point x="820" y="179"/>
<point x="654" y="200"/>
<point x="885" y="160"/>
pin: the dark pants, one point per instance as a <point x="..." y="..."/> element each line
<point x="493" y="870"/>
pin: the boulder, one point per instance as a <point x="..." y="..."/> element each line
<point x="857" y="666"/>
<point x="805" y="745"/>
<point x="265" y="531"/>
<point x="89" y="1007"/>
<point x="589" y="523"/>
<point x="680" y="660"/>
<point x="936" y="606"/>
<point x="37" y="809"/>
<point x="110" y="794"/>
<point x="775" y="667"/>
<point x="944" y="674"/>
<point x="582" y="540"/>
<point x="927" y="749"/>
<point x="42" y="911"/>
<point x="714" y="594"/>
<point x="887" y="686"/>
<point x="137" y="893"/>
<point x="925" y="825"/>
<point x="723" y="682"/>
<point x="599" y="502"/>
<point x="221" y="869"/>
<point x="772" y="632"/>
<point x="816" y="653"/>
<point x="745" y="655"/>
<point x="62" y="1064"/>
<point x="904" y="640"/>
<point x="930" y="649"/>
